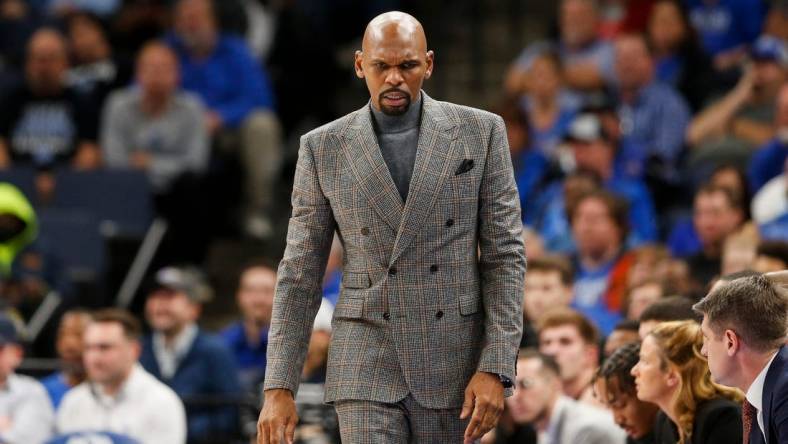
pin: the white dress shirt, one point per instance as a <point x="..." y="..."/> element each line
<point x="143" y="409"/>
<point x="755" y="394"/>
<point x="26" y="408"/>
<point x="169" y="357"/>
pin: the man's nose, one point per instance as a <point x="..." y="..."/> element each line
<point x="394" y="77"/>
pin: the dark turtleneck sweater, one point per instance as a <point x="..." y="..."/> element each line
<point x="398" y="138"/>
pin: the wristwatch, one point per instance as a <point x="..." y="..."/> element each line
<point x="507" y="383"/>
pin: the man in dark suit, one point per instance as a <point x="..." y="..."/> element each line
<point x="744" y="333"/>
<point x="422" y="196"/>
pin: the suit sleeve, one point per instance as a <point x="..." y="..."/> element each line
<point x="298" y="289"/>
<point x="780" y="414"/>
<point x="502" y="257"/>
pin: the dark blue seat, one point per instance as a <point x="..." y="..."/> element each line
<point x="73" y="236"/>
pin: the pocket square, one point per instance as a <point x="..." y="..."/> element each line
<point x="465" y="166"/>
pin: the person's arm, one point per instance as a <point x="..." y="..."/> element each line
<point x="115" y="136"/>
<point x="583" y="76"/>
<point x="33" y="420"/>
<point x="502" y="257"/>
<point x="299" y="281"/>
<point x="715" y="120"/>
<point x="196" y="144"/>
<point x="251" y="89"/>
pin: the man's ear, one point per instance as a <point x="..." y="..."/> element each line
<point x="732" y="342"/>
<point x="358" y="65"/>
<point x="430" y="64"/>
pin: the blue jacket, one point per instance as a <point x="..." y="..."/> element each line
<point x="208" y="369"/>
<point x="230" y="81"/>
<point x="767" y="163"/>
<point x="775" y="402"/>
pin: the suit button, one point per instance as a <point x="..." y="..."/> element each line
<point x="386" y="316"/>
<point x="439" y="314"/>
<point x="450" y="222"/>
<point x="393" y="271"/>
<point x="433" y="268"/>
<point x="365" y="231"/>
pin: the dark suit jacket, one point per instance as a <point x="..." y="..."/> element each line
<point x="717" y="421"/>
<point x="775" y="402"/>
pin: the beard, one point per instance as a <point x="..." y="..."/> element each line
<point x="394" y="110"/>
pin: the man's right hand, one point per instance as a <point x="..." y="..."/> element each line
<point x="277" y="417"/>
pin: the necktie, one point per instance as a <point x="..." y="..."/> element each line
<point x="748" y="413"/>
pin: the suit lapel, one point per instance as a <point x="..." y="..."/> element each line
<point x="431" y="168"/>
<point x="776" y="370"/>
<point x="372" y="175"/>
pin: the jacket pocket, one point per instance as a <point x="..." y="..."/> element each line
<point x="354" y="279"/>
<point x="350" y="305"/>
<point x="470" y="304"/>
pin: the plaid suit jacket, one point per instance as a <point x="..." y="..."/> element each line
<point x="432" y="287"/>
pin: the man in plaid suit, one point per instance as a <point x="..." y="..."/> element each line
<point x="422" y="196"/>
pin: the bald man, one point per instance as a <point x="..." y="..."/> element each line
<point x="426" y="330"/>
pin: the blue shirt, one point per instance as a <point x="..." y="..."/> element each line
<point x="683" y="240"/>
<point x="530" y="167"/>
<point x="229" y="81"/>
<point x="590" y="286"/>
<point x="767" y="163"/>
<point x="725" y="24"/>
<point x="56" y="387"/>
<point x="657" y="119"/>
<point x="250" y="358"/>
<point x="600" y="53"/>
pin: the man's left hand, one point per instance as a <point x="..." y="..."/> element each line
<point x="483" y="399"/>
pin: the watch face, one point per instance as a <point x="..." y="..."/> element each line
<point x="507" y="383"/>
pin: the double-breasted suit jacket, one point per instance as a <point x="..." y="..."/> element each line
<point x="432" y="287"/>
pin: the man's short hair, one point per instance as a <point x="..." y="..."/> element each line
<point x="733" y="199"/>
<point x="671" y="308"/>
<point x="259" y="262"/>
<point x="774" y="249"/>
<point x="617" y="209"/>
<point x="132" y="328"/>
<point x="547" y="264"/>
<point x="753" y="307"/>
<point x="627" y="325"/>
<point x="549" y="364"/>
<point x="558" y="317"/>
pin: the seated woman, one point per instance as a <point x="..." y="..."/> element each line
<point x="673" y="374"/>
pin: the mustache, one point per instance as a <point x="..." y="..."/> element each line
<point x="394" y="90"/>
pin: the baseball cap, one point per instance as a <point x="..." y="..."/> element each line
<point x="8" y="333"/>
<point x="585" y="128"/>
<point x="770" y="48"/>
<point x="188" y="280"/>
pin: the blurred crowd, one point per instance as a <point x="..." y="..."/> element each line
<point x="649" y="140"/>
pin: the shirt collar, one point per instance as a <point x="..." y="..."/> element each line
<point x="755" y="392"/>
<point x="180" y="345"/>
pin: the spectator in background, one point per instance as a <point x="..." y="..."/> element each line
<point x="614" y="385"/>
<point x="595" y="150"/>
<point x="651" y="113"/>
<point x="119" y="395"/>
<point x="18" y="21"/>
<point x="771" y="256"/>
<point x="247" y="339"/>
<point x="549" y="107"/>
<point x="155" y="126"/>
<point x="726" y="28"/>
<point x="102" y="8"/>
<point x="573" y="341"/>
<point x="679" y="60"/>
<point x="197" y="365"/>
<point x="744" y="118"/>
<point x="587" y="59"/>
<point x="96" y="70"/>
<point x="672" y="374"/>
<point x="552" y="207"/>
<point x="768" y="161"/>
<point x="235" y="89"/>
<point x="641" y="296"/>
<point x="558" y="419"/>
<point x="70" y="350"/>
<point x="671" y="308"/>
<point x="599" y="227"/>
<point x="42" y="122"/>
<point x="549" y="285"/>
<point x="776" y="21"/>
<point x="624" y="333"/>
<point x="717" y="214"/>
<point x="25" y="411"/>
<point x="739" y="250"/>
